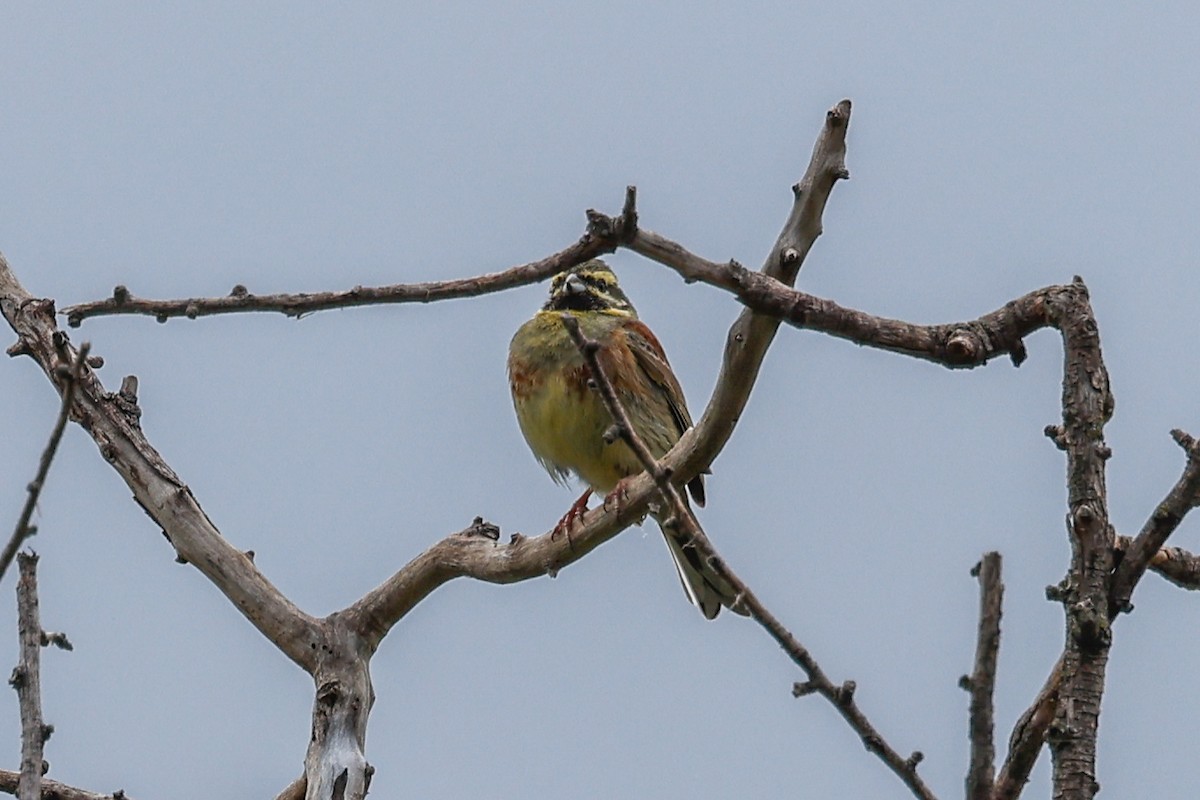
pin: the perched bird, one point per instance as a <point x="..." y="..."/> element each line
<point x="564" y="420"/>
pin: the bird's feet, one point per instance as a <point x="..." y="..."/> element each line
<point x="618" y="494"/>
<point x="576" y="511"/>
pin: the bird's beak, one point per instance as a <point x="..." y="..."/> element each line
<point x="575" y="284"/>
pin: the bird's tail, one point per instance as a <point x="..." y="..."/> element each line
<point x="704" y="587"/>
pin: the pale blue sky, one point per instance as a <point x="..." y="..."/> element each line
<point x="291" y="147"/>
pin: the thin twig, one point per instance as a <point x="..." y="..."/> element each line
<point x="982" y="682"/>
<point x="26" y="679"/>
<point x="842" y="697"/>
<point x="24" y="530"/>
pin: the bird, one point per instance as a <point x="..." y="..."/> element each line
<point x="564" y="420"/>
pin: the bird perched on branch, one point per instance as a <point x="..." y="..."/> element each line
<point x="564" y="420"/>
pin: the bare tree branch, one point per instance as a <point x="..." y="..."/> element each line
<point x="982" y="681"/>
<point x="53" y="790"/>
<point x="1087" y="404"/>
<point x="1028" y="737"/>
<point x="954" y="345"/>
<point x="1175" y="564"/>
<point x="682" y="518"/>
<point x="1166" y="518"/>
<point x="296" y="305"/>
<point x="113" y="422"/>
<point x="351" y="636"/>
<point x="24" y="530"/>
<point x="27" y="680"/>
<point x="294" y="790"/>
<point x="469" y="554"/>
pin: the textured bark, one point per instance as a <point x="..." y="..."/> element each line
<point x="27" y="680"/>
<point x="1087" y="405"/>
<point x="982" y="683"/>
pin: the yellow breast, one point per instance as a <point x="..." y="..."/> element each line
<point x="562" y="419"/>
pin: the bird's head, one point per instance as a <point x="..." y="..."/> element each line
<point x="591" y="286"/>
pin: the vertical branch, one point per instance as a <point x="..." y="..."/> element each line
<point x="1087" y="406"/>
<point x="982" y="682"/>
<point x="26" y="679"/>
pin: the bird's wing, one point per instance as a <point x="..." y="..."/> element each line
<point x="649" y="354"/>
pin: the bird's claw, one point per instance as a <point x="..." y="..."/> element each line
<point x="573" y="514"/>
<point x="617" y="495"/>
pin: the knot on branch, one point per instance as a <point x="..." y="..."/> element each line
<point x="58" y="639"/>
<point x="1189" y="445"/>
<point x="1056" y="434"/>
<point x="844" y="694"/>
<point x="803" y="689"/>
<point x="17" y="678"/>
<point x="618" y="230"/>
<point x="966" y="345"/>
<point x="1092" y="629"/>
<point x="18" y="348"/>
<point x="1060" y="592"/>
<point x="487" y="530"/>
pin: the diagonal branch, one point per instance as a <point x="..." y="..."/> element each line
<point x="24" y="530"/>
<point x="240" y="300"/>
<point x="982" y="681"/>
<point x="1183" y="497"/>
<point x="1028" y="737"/>
<point x="112" y="420"/>
<point x="842" y="697"/>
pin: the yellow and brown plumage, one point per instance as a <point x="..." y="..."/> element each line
<point x="564" y="420"/>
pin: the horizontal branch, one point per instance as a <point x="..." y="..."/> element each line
<point x="53" y="790"/>
<point x="956" y="344"/>
<point x="240" y="300"/>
